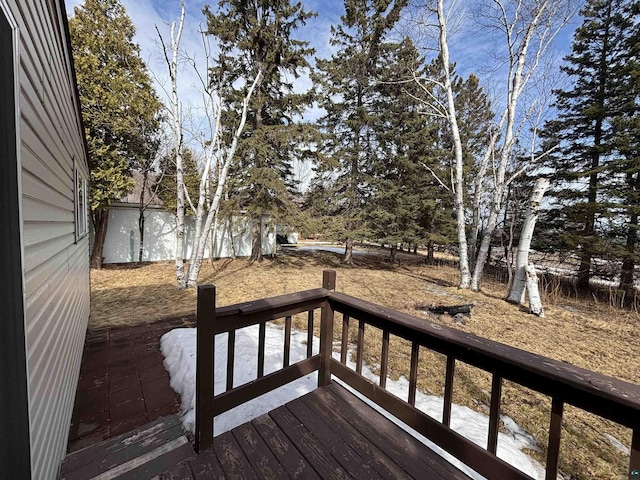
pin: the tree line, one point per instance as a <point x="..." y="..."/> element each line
<point x="406" y="152"/>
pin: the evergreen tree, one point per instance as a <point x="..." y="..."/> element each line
<point x="119" y="106"/>
<point x="584" y="131"/>
<point x="347" y="91"/>
<point x="625" y="171"/>
<point x="257" y="36"/>
<point x="405" y="140"/>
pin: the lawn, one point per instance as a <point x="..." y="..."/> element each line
<point x="583" y="332"/>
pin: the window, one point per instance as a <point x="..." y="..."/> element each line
<point x="81" y="202"/>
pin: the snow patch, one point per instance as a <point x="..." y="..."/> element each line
<point x="617" y="443"/>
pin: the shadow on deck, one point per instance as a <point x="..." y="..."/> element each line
<point x="328" y="433"/>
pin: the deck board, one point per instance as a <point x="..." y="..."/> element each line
<point x="411" y="454"/>
<point x="262" y="459"/>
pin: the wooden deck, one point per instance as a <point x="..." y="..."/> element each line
<point x="328" y="433"/>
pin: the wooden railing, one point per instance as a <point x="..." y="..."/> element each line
<point x="604" y="396"/>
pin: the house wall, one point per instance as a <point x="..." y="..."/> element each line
<point x="55" y="264"/>
<point x="121" y="244"/>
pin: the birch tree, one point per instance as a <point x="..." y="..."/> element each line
<point x="528" y="27"/>
<point x="525" y="279"/>
<point x="217" y="156"/>
<point x="178" y="136"/>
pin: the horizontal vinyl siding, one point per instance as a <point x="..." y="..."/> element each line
<point x="56" y="268"/>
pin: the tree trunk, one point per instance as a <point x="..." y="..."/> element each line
<point x="628" y="262"/>
<point x="521" y="279"/>
<point x="458" y="184"/>
<point x="256" y="239"/>
<point x="348" y="252"/>
<point x="145" y="178"/>
<point x="100" y="220"/>
<point x="535" y="303"/>
<point x="430" y="251"/>
<point x="392" y="254"/>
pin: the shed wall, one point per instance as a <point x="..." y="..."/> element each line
<point x="56" y="266"/>
<point x="121" y="244"/>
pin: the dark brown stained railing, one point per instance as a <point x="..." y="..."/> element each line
<point x="605" y="396"/>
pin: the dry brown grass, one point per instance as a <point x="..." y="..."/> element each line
<point x="585" y="333"/>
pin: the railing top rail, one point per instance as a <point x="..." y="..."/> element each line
<point x="270" y="308"/>
<point x="606" y="396"/>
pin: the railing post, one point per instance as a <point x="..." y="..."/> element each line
<point x="634" y="461"/>
<point x="326" y="330"/>
<point x="205" y="357"/>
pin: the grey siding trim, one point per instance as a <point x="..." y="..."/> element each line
<point x="15" y="456"/>
<point x="55" y="266"/>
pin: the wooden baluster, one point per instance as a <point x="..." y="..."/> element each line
<point x="345" y="338"/>
<point x="287" y="342"/>
<point x="360" y="354"/>
<point x="494" y="413"/>
<point x="448" y="390"/>
<point x="310" y="334"/>
<point x="231" y="348"/>
<point x="261" y="337"/>
<point x="384" y="362"/>
<point x="413" y="373"/>
<point x="205" y="347"/>
<point x="555" y="429"/>
<point x="326" y="330"/>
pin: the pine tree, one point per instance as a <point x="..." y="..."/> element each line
<point x="625" y="171"/>
<point x="258" y="36"/>
<point x="584" y="131"/>
<point x="347" y="91"/>
<point x="119" y="106"/>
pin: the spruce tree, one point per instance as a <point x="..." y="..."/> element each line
<point x="258" y="36"/>
<point x="624" y="177"/>
<point x="119" y="106"/>
<point x="347" y="89"/>
<point x="584" y="131"/>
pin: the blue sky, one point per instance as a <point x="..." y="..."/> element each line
<point x="469" y="49"/>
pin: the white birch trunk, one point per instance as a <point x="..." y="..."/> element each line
<point x="535" y="303"/>
<point x="200" y="241"/>
<point x="516" y="82"/>
<point x="520" y="281"/>
<point x="458" y="183"/>
<point x="176" y="127"/>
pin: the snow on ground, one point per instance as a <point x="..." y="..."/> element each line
<point x="179" y="349"/>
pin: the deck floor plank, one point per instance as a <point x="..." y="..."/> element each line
<point x="97" y="453"/>
<point x="294" y="463"/>
<point x="409" y="452"/>
<point x="322" y="462"/>
<point x="182" y="471"/>
<point x="206" y="465"/>
<point x="232" y="459"/>
<point x="382" y="463"/>
<point x="257" y="452"/>
<point x="139" y="444"/>
<point x="354" y="464"/>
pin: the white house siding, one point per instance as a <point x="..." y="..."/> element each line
<point x="121" y="244"/>
<point x="56" y="267"/>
